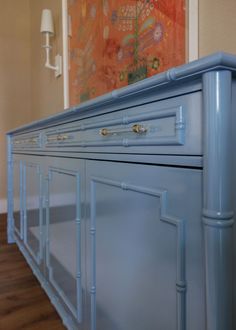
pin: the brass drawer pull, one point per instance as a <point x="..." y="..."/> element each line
<point x="136" y="128"/>
<point x="139" y="129"/>
<point x="104" y="132"/>
<point x="32" y="140"/>
<point x="57" y="138"/>
<point x="62" y="137"/>
<point x="27" y="141"/>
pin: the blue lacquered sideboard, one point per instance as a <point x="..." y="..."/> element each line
<point x="124" y="206"/>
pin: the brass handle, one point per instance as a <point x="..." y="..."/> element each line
<point x="104" y="132"/>
<point x="33" y="140"/>
<point x="59" y="137"/>
<point x="136" y="128"/>
<point x="139" y="129"/>
<point x="30" y="141"/>
<point x="62" y="137"/>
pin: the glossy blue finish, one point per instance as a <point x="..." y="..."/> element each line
<point x="171" y="127"/>
<point x="136" y="228"/>
<point x="10" y="220"/>
<point x="33" y="210"/>
<point x="166" y="234"/>
<point x="218" y="198"/>
<point x="218" y="144"/>
<point x="155" y="84"/>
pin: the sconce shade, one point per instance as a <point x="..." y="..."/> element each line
<point x="47" y="22"/>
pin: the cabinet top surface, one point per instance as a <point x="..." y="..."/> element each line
<point x="187" y="72"/>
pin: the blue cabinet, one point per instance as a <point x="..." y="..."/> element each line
<point x="65" y="233"/>
<point x="131" y="215"/>
<point x="124" y="206"/>
<point x="17" y="197"/>
<point x="32" y="209"/>
<point x="28" y="204"/>
<point x="48" y="225"/>
<point x="92" y="227"/>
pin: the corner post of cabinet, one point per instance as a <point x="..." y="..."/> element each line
<point x="217" y="199"/>
<point x="10" y="220"/>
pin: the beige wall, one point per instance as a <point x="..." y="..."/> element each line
<point x="28" y="91"/>
<point x="217" y="26"/>
<point x="46" y="90"/>
<point x="14" y="75"/>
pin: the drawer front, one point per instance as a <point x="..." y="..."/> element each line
<point x="170" y="126"/>
<point x="27" y="141"/>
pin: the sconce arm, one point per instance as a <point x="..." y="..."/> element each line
<point x="58" y="59"/>
<point x="49" y="66"/>
<point x="47" y="63"/>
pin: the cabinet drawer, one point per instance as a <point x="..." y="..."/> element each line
<point x="170" y="126"/>
<point x="27" y="141"/>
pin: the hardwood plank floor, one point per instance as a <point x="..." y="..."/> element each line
<point x="23" y="303"/>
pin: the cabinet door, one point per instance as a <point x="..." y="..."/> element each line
<point x="138" y="254"/>
<point x="33" y="208"/>
<point x="18" y="197"/>
<point x="64" y="237"/>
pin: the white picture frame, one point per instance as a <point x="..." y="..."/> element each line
<point x="65" y="43"/>
<point x="193" y="30"/>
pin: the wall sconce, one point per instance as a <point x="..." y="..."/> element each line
<point x="47" y="28"/>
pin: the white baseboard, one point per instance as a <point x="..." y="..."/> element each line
<point x="3" y="206"/>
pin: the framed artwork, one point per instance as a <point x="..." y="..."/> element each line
<point x="109" y="44"/>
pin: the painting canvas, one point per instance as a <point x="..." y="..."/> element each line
<point x="116" y="43"/>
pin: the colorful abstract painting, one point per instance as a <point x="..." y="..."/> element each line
<point x="116" y="43"/>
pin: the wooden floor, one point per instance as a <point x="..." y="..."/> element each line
<point x="23" y="303"/>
